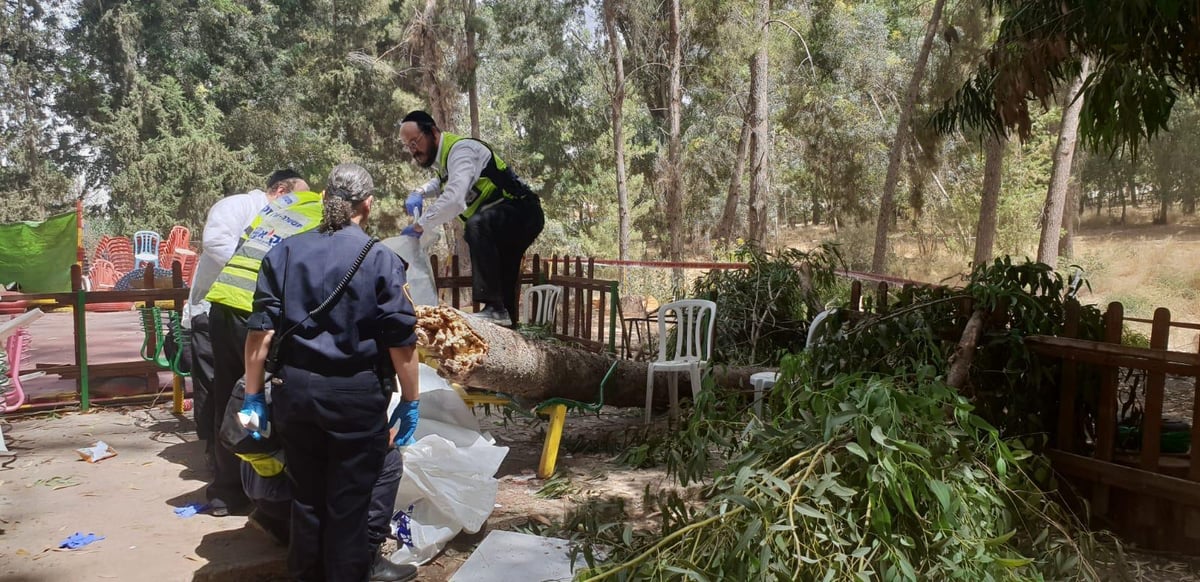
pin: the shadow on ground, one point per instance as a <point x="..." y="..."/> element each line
<point x="240" y="555"/>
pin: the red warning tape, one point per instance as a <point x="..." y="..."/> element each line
<point x="669" y="264"/>
<point x="717" y="265"/>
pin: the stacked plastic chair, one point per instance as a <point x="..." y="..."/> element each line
<point x="119" y="251"/>
<point x="145" y="247"/>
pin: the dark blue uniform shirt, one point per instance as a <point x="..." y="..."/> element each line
<point x="374" y="313"/>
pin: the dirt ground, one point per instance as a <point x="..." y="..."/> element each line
<point x="47" y="493"/>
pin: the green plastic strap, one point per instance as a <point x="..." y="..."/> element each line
<point x="152" y="325"/>
<point x="584" y="406"/>
<point x="182" y="340"/>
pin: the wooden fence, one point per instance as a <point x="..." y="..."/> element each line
<point x="1148" y="495"/>
<point x="588" y="309"/>
<point x="81" y="370"/>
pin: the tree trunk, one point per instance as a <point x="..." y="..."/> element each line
<point x="1164" y="204"/>
<point x="472" y="65"/>
<point x="729" y="213"/>
<point x="1060" y="173"/>
<point x="618" y="103"/>
<point x="440" y="93"/>
<point x="887" y="200"/>
<point x="964" y="352"/>
<point x="1070" y="223"/>
<point x="675" y="151"/>
<point x="760" y="140"/>
<point x="483" y="355"/>
<point x="985" y="232"/>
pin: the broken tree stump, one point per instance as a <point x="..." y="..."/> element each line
<point x="479" y="354"/>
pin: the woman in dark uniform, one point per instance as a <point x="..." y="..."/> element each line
<point x="330" y="409"/>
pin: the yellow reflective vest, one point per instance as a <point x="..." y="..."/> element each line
<point x="497" y="179"/>
<point x="287" y="215"/>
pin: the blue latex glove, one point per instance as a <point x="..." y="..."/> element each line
<point x="78" y="540"/>
<point x="257" y="404"/>
<point x="405" y="417"/>
<point x="410" y="231"/>
<point x="414" y="203"/>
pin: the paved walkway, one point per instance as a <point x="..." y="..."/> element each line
<point x="47" y="493"/>
<point x="112" y="337"/>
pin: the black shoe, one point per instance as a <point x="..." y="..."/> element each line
<point x="384" y="570"/>
<point x="218" y="507"/>
<point x="496" y="315"/>
<point x="276" y="529"/>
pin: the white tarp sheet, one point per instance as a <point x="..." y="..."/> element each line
<point x="449" y="482"/>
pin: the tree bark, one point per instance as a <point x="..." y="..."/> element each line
<point x="760" y="140"/>
<point x="618" y="103"/>
<point x="1060" y="173"/>
<point x="964" y="352"/>
<point x="482" y="355"/>
<point x="1070" y="223"/>
<point x="424" y="41"/>
<point x="985" y="231"/>
<point x="729" y="213"/>
<point x="472" y="65"/>
<point x="675" y="150"/>
<point x="887" y="200"/>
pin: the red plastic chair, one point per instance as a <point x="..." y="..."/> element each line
<point x="187" y="261"/>
<point x="101" y="250"/>
<point x="120" y="252"/>
<point x="104" y="275"/>
<point x="178" y="238"/>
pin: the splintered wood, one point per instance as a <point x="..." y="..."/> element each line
<point x="444" y="334"/>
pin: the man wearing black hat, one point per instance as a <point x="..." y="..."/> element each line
<point x="502" y="215"/>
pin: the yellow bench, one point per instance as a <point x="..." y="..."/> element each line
<point x="558" y="419"/>
<point x="557" y="413"/>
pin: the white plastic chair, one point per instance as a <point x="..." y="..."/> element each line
<point x="547" y="304"/>
<point x="145" y="248"/>
<point x="689" y="352"/>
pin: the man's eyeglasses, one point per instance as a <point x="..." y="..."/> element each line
<point x="411" y="144"/>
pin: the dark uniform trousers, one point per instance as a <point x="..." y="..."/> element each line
<point x="202" y="377"/>
<point x="379" y="513"/>
<point x="498" y="236"/>
<point x="227" y="328"/>
<point x="335" y="438"/>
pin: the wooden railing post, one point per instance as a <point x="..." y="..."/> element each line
<point x="79" y="312"/>
<point x="1156" y="381"/>
<point x="1065" y="435"/>
<point x="1106" y="407"/>
<point x="455" y="297"/>
<point x="1194" y="468"/>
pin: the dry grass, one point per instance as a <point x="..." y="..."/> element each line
<point x="1142" y="265"/>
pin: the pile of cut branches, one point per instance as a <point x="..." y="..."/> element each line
<point x="863" y="477"/>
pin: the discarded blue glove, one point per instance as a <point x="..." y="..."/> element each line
<point x="254" y="416"/>
<point x="78" y="540"/>
<point x="410" y="231"/>
<point x="414" y="204"/>
<point x="406" y="416"/>
<point x="190" y="509"/>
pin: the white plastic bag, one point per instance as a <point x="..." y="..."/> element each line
<point x="449" y="482"/>
<point x="420" y="272"/>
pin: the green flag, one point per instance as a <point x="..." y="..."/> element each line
<point x="38" y="255"/>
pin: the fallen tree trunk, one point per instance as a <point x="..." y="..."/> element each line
<point x="482" y="355"/>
